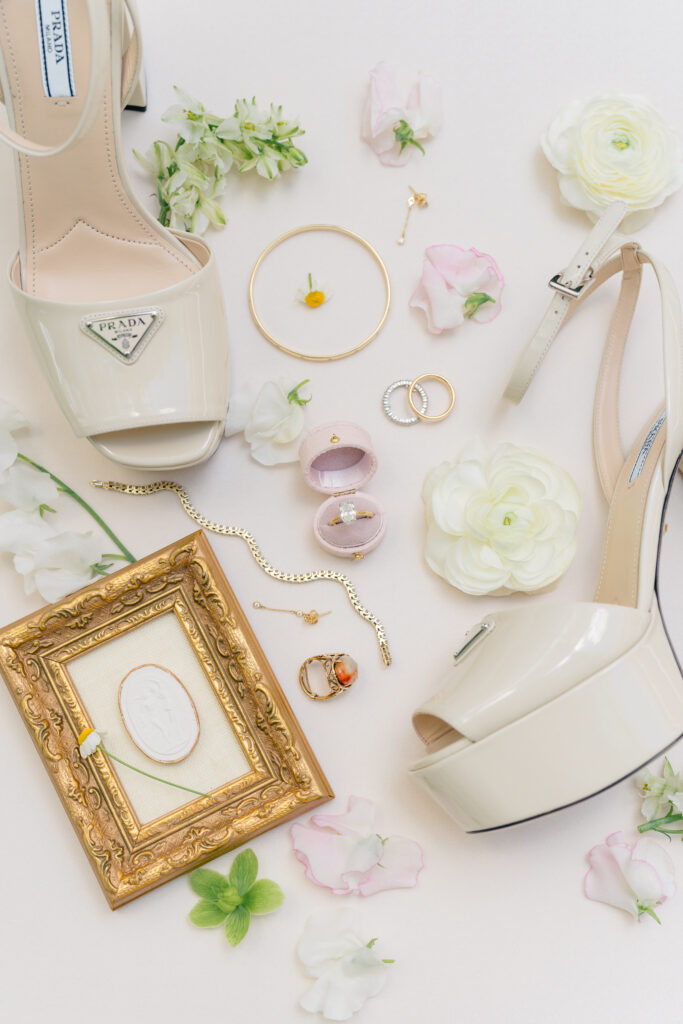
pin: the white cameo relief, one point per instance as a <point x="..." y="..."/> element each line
<point x="158" y="713"/>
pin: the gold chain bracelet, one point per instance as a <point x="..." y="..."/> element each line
<point x="236" y="531"/>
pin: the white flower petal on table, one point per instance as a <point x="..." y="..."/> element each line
<point x="328" y="935"/>
<point x="27" y="488"/>
<point x="347" y="972"/>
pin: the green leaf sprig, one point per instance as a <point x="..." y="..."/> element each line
<point x="231" y="901"/>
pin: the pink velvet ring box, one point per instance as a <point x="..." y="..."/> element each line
<point x="337" y="459"/>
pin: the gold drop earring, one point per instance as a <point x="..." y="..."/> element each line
<point x="310" y="617"/>
<point x="416" y="199"/>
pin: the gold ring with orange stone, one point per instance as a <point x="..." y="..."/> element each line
<point x="341" y="672"/>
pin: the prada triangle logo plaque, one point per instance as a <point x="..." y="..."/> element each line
<point x="125" y="334"/>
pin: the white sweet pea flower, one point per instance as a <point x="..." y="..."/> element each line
<point x="10" y="421"/>
<point x="272" y="418"/>
<point x="660" y="792"/>
<point x="22" y="531"/>
<point x="348" y="972"/>
<point x="500" y="522"/>
<point x="27" y="488"/>
<point x="632" y="878"/>
<point x="614" y="147"/>
<point x="59" y="564"/>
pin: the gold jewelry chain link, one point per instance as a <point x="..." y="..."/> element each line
<point x="236" y="531"/>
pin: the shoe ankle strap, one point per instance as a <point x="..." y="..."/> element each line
<point x="603" y="254"/>
<point x="567" y="287"/>
<point x="98" y="18"/>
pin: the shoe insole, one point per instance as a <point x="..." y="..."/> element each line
<point x="85" y="238"/>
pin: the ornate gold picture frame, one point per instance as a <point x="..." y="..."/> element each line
<point x="62" y="665"/>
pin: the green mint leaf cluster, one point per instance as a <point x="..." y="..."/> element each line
<point x="231" y="901"/>
<point x="190" y="175"/>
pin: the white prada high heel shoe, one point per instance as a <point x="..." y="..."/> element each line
<point x="549" y="705"/>
<point x="125" y="317"/>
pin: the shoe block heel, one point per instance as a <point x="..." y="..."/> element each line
<point x="138" y="97"/>
<point x="589" y="738"/>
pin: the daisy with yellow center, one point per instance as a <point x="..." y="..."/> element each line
<point x="314" y="295"/>
<point x="89" y="740"/>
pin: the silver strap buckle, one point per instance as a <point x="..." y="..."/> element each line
<point x="571" y="291"/>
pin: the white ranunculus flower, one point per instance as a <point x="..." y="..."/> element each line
<point x="272" y="418"/>
<point x="614" y="147"/>
<point x="347" y="970"/>
<point x="500" y="522"/>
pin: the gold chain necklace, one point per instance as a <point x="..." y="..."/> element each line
<point x="236" y="531"/>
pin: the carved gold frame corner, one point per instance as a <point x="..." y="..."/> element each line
<point x="284" y="778"/>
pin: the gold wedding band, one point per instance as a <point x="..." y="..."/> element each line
<point x="441" y="380"/>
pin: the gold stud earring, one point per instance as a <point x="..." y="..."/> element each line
<point x="416" y="199"/>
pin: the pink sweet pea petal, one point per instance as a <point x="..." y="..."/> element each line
<point x="359" y="818"/>
<point x="387" y="102"/>
<point x="343" y="853"/>
<point x="334" y="861"/>
<point x="450" y="275"/>
<point x="442" y="305"/>
<point x="400" y="864"/>
<point x="425" y="101"/>
<point x="629" y="878"/>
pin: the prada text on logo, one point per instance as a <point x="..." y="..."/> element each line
<point x="125" y="334"/>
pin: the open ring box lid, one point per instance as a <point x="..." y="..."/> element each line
<point x="337" y="459"/>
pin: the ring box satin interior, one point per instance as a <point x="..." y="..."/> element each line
<point x="337" y="459"/>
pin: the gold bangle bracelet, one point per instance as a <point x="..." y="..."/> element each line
<point x="300" y="231"/>
<point x="442" y="380"/>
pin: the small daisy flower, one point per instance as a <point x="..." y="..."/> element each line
<point x="88" y="742"/>
<point x="314" y="294"/>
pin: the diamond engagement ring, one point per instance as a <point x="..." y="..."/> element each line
<point x="348" y="514"/>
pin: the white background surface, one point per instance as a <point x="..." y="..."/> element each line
<point x="498" y="929"/>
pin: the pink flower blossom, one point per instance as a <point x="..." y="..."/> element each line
<point x="343" y="853"/>
<point x="633" y="878"/>
<point x="395" y="118"/>
<point x="457" y="285"/>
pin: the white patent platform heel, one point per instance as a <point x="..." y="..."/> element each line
<point x="547" y="706"/>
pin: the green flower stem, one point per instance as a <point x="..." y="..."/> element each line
<point x="65" y="489"/>
<point x="148" y="775"/>
<point x="656" y="825"/>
